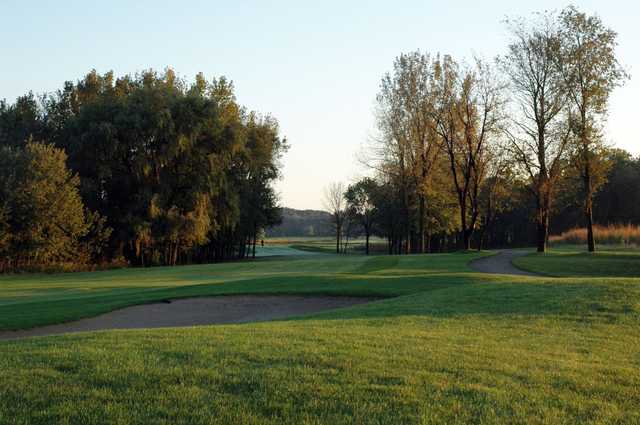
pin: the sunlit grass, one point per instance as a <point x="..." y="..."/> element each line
<point x="450" y="346"/>
<point x="569" y="261"/>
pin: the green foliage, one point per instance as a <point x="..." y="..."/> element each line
<point x="42" y="220"/>
<point x="180" y="172"/>
<point x="361" y="207"/>
<point x="618" y="201"/>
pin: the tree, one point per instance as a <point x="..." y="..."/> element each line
<point x="258" y="200"/>
<point x="410" y="145"/>
<point x="5" y="237"/>
<point x="21" y="120"/>
<point x="539" y="141"/>
<point x="468" y="119"/>
<point x="591" y="72"/>
<point x="388" y="207"/>
<point x="496" y="195"/>
<point x="334" y="202"/>
<point x="181" y="172"/>
<point x="360" y="205"/>
<point x="618" y="201"/>
<point x="46" y="220"/>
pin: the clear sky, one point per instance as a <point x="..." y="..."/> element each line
<point x="315" y="66"/>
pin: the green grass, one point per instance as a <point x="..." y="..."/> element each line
<point x="278" y="250"/>
<point x="452" y="346"/>
<point x="327" y="245"/>
<point x="569" y="261"/>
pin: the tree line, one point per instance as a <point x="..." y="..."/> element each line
<point x="473" y="153"/>
<point x="144" y="169"/>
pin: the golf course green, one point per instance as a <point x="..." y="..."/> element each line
<point x="443" y="344"/>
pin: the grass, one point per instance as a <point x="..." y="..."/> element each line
<point x="452" y="346"/>
<point x="568" y="261"/>
<point x="271" y="250"/>
<point x="327" y="245"/>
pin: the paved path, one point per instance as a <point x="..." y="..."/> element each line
<point x="500" y="263"/>
<point x="198" y="311"/>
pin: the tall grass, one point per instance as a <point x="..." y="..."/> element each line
<point x="614" y="234"/>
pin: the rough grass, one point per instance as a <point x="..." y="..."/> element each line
<point x="452" y="347"/>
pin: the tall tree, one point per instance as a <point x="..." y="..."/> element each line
<point x="591" y="72"/>
<point x="540" y="139"/>
<point x="335" y="203"/>
<point x="388" y="207"/>
<point x="496" y="195"/>
<point x="405" y="118"/>
<point x="468" y="119"/>
<point x="42" y="207"/>
<point x="361" y="207"/>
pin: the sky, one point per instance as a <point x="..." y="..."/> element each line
<point x="315" y="66"/>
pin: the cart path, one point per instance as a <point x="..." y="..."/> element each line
<point x="500" y="263"/>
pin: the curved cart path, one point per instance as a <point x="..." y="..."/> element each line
<point x="500" y="263"/>
<point x="198" y="311"/>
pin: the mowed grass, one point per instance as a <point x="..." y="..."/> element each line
<point x="451" y="346"/>
<point x="569" y="261"/>
<point x="327" y="245"/>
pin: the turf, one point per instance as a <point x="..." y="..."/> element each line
<point x="451" y="346"/>
<point x="572" y="262"/>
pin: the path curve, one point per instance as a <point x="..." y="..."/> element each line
<point x="198" y="311"/>
<point x="501" y="263"/>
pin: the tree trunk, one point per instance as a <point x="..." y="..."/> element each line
<point x="588" y="210"/>
<point x="421" y="226"/>
<point x="466" y="239"/>
<point x="174" y="257"/>
<point x="481" y="238"/>
<point x="465" y="234"/>
<point x="591" y="243"/>
<point x="407" y="245"/>
<point x="543" y="230"/>
<point x="254" y="246"/>
<point x="366" y="244"/>
<point x="588" y="184"/>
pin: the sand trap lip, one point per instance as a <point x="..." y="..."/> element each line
<point x="198" y="311"/>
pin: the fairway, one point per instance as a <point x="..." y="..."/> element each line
<point x="447" y="345"/>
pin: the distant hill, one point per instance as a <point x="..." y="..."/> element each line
<point x="302" y="223"/>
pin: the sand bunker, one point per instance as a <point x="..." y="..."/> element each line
<point x="198" y="311"/>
